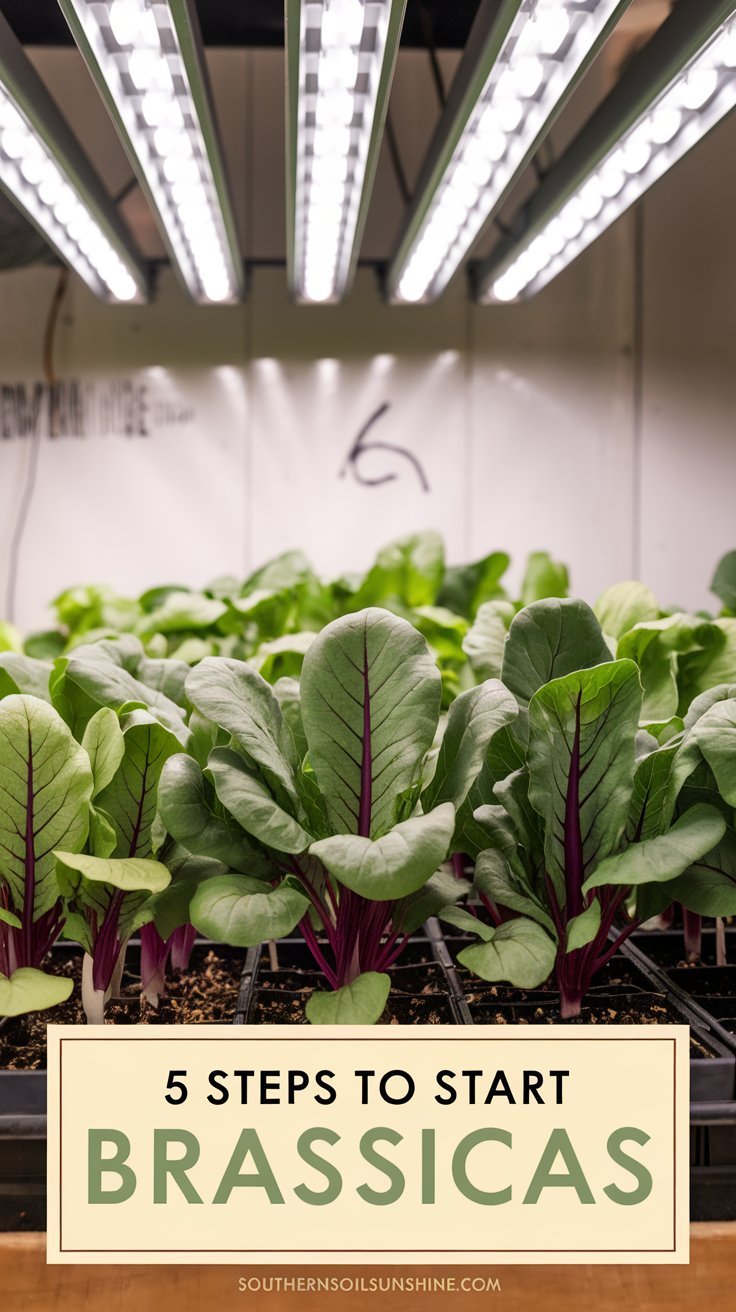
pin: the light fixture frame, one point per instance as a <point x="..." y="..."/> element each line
<point x="185" y="23"/>
<point x="349" y="261"/>
<point x="689" y="27"/>
<point x="487" y="37"/>
<point x="22" y="83"/>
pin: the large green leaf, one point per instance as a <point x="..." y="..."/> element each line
<point x="252" y="805"/>
<point x="130" y="799"/>
<point x="31" y="990"/>
<point x="370" y="705"/>
<point x="656" y="646"/>
<point x="388" y="868"/>
<point x="519" y="952"/>
<point x="234" y="696"/>
<point x="45" y="792"/>
<point x="625" y="604"/>
<point x="171" y="908"/>
<point x="234" y="909"/>
<point x="548" y="640"/>
<point x="360" y="1003"/>
<point x="582" y="730"/>
<point x="665" y="857"/>
<point x="474" y="717"/>
<point x="186" y="803"/>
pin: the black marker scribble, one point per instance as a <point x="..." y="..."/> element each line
<point x="361" y="447"/>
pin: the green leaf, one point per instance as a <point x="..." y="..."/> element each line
<point x="714" y="734"/>
<point x="10" y="639"/>
<point x="585" y="721"/>
<point x="548" y="640"/>
<point x="282" y="657"/>
<point x="104" y="744"/>
<point x="485" y="642"/>
<point x="370" y="705"/>
<point x="665" y="857"/>
<point x="388" y="868"/>
<point x="115" y="673"/>
<point x="19" y="673"/>
<point x="544" y="577"/>
<point x="625" y="604"/>
<point x="32" y="990"/>
<point x="186" y="803"/>
<point x="251" y="804"/>
<point x="503" y="879"/>
<point x="360" y="1003"/>
<point x="130" y="799"/>
<point x="459" y="918"/>
<point x="519" y="953"/>
<point x="724" y="580"/>
<point x="709" y="886"/>
<point x="45" y="792"/>
<point x="582" y="929"/>
<point x="474" y="717"/>
<point x="658" y="781"/>
<point x="182" y="611"/>
<point x="102" y="836"/>
<point x="171" y="908"/>
<point x="233" y="695"/>
<point x="129" y="874"/>
<point x="234" y="909"/>
<point x="712" y="663"/>
<point x="409" y="570"/>
<point x="440" y="890"/>
<point x="7" y="918"/>
<point x="466" y="588"/>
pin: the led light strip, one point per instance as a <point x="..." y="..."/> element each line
<point x="46" y="175"/>
<point x="145" y="57"/>
<point x="535" y="51"/>
<point x="692" y="102"/>
<point x="337" y="93"/>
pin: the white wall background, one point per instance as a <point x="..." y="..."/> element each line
<point x="597" y="421"/>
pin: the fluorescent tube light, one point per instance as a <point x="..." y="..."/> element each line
<point x="146" y="59"/>
<point x="522" y="62"/>
<point x="48" y="177"/>
<point x="340" y="61"/>
<point x="682" y="86"/>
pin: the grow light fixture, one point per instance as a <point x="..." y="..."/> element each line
<point x="340" y="62"/>
<point x="48" y="177"/>
<point x="522" y="62"/>
<point x="146" y="59"/>
<point x="682" y="84"/>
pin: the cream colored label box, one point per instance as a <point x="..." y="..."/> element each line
<point x="384" y="1145"/>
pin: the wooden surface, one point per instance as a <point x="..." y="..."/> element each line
<point x="28" y="1285"/>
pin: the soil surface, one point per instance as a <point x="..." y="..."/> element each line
<point x="205" y="993"/>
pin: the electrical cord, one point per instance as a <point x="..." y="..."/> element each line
<point x="29" y="483"/>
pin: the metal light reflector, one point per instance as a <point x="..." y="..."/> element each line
<point x="683" y="84"/>
<point x="522" y="63"/>
<point x="341" y="56"/>
<point x="48" y="177"/>
<point x="147" y="61"/>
